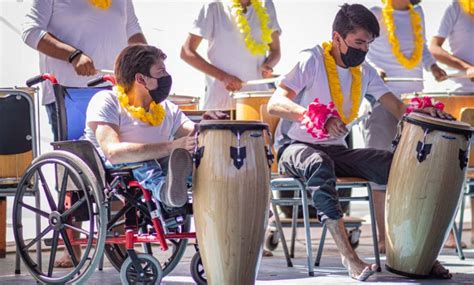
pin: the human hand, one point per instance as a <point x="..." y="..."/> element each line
<point x="438" y="73"/>
<point x="335" y="127"/>
<point x="215" y="115"/>
<point x="470" y="73"/>
<point x="231" y="83"/>
<point x="84" y="65"/>
<point x="187" y="142"/>
<point x="434" y="112"/>
<point x="267" y="71"/>
<point x="381" y="73"/>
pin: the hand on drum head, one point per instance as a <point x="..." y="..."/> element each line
<point x="215" y="115"/>
<point x="435" y="113"/>
<point x="187" y="142"/>
<point x="335" y="127"/>
<point x="231" y="83"/>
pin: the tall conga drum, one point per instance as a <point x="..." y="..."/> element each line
<point x="423" y="192"/>
<point x="247" y="104"/>
<point x="231" y="187"/>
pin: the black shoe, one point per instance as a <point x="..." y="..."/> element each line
<point x="174" y="192"/>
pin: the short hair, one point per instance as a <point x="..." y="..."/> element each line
<point x="355" y="16"/>
<point x="133" y="59"/>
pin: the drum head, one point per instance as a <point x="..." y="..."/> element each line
<point x="253" y="94"/>
<point x="231" y="125"/>
<point x="183" y="99"/>
<point x="437" y="123"/>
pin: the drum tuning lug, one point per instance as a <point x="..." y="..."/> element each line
<point x="238" y="154"/>
<point x="198" y="153"/>
<point x="462" y="158"/>
<point x="422" y="151"/>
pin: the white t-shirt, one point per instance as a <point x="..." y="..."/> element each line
<point x="308" y="79"/>
<point x="227" y="49"/>
<point x="100" y="34"/>
<point x="380" y="51"/>
<point x="105" y="107"/>
<point x="458" y="28"/>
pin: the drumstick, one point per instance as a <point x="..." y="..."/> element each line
<point x="260" y="81"/>
<point x="458" y="75"/>
<point x="106" y="71"/>
<point x="402" y="79"/>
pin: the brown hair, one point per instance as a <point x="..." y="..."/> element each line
<point x="137" y="58"/>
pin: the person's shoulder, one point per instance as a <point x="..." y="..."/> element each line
<point x="312" y="54"/>
<point x="213" y="4"/>
<point x="106" y="96"/>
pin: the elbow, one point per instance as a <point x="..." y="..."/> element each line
<point x="112" y="156"/>
<point x="184" y="53"/>
<point x="271" y="108"/>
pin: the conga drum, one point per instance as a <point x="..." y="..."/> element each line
<point x="185" y="102"/>
<point x="231" y="187"/>
<point x="453" y="101"/>
<point x="424" y="189"/>
<point x="247" y="104"/>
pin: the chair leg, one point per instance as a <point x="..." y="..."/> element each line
<point x="282" y="235"/>
<point x="461" y="214"/>
<point x="458" y="242"/>
<point x="375" y="239"/>
<point x="293" y="227"/>
<point x="307" y="227"/>
<point x="321" y="245"/>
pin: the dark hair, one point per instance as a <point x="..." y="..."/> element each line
<point x="355" y="16"/>
<point x="137" y="58"/>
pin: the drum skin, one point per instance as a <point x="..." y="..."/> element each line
<point x="422" y="196"/>
<point x="247" y="104"/>
<point x="231" y="205"/>
<point x="185" y="102"/>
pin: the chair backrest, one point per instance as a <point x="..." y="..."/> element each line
<point x="71" y="109"/>
<point x="16" y="134"/>
<point x="467" y="116"/>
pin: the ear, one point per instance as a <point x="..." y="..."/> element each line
<point x="140" y="79"/>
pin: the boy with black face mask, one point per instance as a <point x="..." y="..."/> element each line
<point x="316" y="100"/>
<point x="135" y="125"/>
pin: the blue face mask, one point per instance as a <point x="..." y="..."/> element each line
<point x="162" y="91"/>
<point x="353" y="56"/>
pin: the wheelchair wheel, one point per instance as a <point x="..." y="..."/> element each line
<point x="117" y="254"/>
<point x="152" y="271"/>
<point x="271" y="240"/>
<point x="57" y="176"/>
<point x="197" y="269"/>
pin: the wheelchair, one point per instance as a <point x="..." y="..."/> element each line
<point x="103" y="211"/>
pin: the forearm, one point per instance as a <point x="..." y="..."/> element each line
<point x="55" y="48"/>
<point x="285" y="108"/>
<point x="275" y="54"/>
<point x="123" y="152"/>
<point x="195" y="60"/>
<point x="445" y="57"/>
<point x="394" y="105"/>
<point x="138" y="38"/>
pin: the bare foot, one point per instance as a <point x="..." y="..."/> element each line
<point x="382" y="246"/>
<point x="359" y="270"/>
<point x="451" y="243"/>
<point x="439" y="271"/>
<point x="267" y="253"/>
<point x="65" y="261"/>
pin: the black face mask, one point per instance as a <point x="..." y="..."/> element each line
<point x="353" y="57"/>
<point x="160" y="93"/>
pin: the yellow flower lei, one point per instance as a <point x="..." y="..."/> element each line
<point x="253" y="46"/>
<point x="418" y="43"/>
<point x="335" y="86"/>
<point x="467" y="6"/>
<point x="154" y="116"/>
<point x="101" y="4"/>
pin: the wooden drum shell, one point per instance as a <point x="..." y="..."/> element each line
<point x="185" y="102"/>
<point x="231" y="205"/>
<point x="422" y="197"/>
<point x="247" y="104"/>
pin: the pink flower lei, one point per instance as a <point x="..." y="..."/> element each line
<point x="315" y="118"/>
<point x="418" y="103"/>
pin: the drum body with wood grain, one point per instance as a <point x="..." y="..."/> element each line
<point x="231" y="199"/>
<point x="424" y="188"/>
<point x="185" y="102"/>
<point x="247" y="104"/>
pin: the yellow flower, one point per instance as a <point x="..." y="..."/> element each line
<point x="101" y="4"/>
<point x="155" y="116"/>
<point x="335" y="86"/>
<point x="253" y="46"/>
<point x="467" y="6"/>
<point x="418" y="41"/>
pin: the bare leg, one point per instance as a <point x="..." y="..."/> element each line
<point x="65" y="260"/>
<point x="358" y="269"/>
<point x="451" y="243"/>
<point x="379" y="207"/>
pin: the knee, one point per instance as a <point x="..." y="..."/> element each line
<point x="320" y="165"/>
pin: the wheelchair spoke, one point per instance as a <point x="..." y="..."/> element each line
<point x="34" y="210"/>
<point x="174" y="242"/>
<point x="47" y="192"/>
<point x="68" y="245"/>
<point x="36" y="239"/>
<point x="52" y="257"/>
<point x="73" y="207"/>
<point x="62" y="191"/>
<point x="77" y="229"/>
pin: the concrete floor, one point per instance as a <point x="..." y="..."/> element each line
<point x="273" y="270"/>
